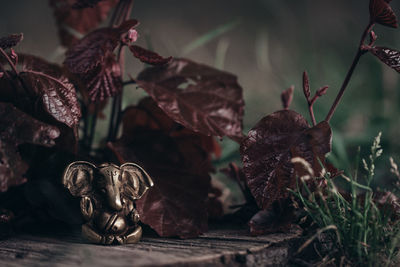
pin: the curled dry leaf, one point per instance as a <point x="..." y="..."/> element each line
<point x="16" y="128"/>
<point x="178" y="161"/>
<point x="201" y="98"/>
<point x="269" y="147"/>
<point x="388" y="56"/>
<point x="93" y="50"/>
<point x="381" y="12"/>
<point x="43" y="91"/>
<point x="11" y="40"/>
<point x="73" y="22"/>
<point x="147" y="56"/>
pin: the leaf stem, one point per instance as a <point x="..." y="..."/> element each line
<point x="128" y="82"/>
<point x="360" y="51"/>
<point x="117" y="100"/>
<point x="12" y="65"/>
<point x="92" y="129"/>
<point x="311" y="110"/>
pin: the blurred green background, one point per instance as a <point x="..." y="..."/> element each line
<point x="267" y="44"/>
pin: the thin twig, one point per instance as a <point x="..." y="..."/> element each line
<point x="311" y="110"/>
<point x="128" y="82"/>
<point x="360" y="52"/>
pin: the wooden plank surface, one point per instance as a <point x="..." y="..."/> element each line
<point x="216" y="248"/>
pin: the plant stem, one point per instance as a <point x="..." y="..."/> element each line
<point x="311" y="110"/>
<point x="92" y="129"/>
<point x="121" y="12"/>
<point x="346" y="81"/>
<point x="128" y="82"/>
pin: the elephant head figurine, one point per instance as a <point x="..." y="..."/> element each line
<point x="108" y="193"/>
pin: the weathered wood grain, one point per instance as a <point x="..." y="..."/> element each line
<point x="216" y="248"/>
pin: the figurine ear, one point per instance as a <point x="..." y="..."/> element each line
<point x="136" y="181"/>
<point x="78" y="177"/>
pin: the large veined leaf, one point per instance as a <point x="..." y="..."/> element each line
<point x="199" y="97"/>
<point x="16" y="128"/>
<point x="178" y="160"/>
<point x="269" y="147"/>
<point x="381" y="12"/>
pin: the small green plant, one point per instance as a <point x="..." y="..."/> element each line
<point x="361" y="226"/>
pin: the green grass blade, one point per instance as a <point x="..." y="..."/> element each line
<point x="209" y="36"/>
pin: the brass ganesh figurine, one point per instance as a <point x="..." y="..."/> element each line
<point x="108" y="195"/>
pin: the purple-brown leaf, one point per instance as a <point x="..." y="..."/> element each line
<point x="269" y="147"/>
<point x="48" y="82"/>
<point x="381" y="12"/>
<point x="388" y="56"/>
<point x="178" y="161"/>
<point x="10" y="40"/>
<point x="16" y="128"/>
<point x="104" y="81"/>
<point x="147" y="56"/>
<point x="201" y="98"/>
<point x="82" y="21"/>
<point x="91" y="51"/>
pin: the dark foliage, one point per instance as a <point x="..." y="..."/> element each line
<point x="91" y="51"/>
<point x="82" y="21"/>
<point x="11" y="40"/>
<point x="199" y="97"/>
<point x="42" y="90"/>
<point x="93" y="62"/>
<point x="381" y="12"/>
<point x="269" y="147"/>
<point x="171" y="133"/>
<point x="16" y="128"/>
<point x="178" y="160"/>
<point x="105" y="80"/>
